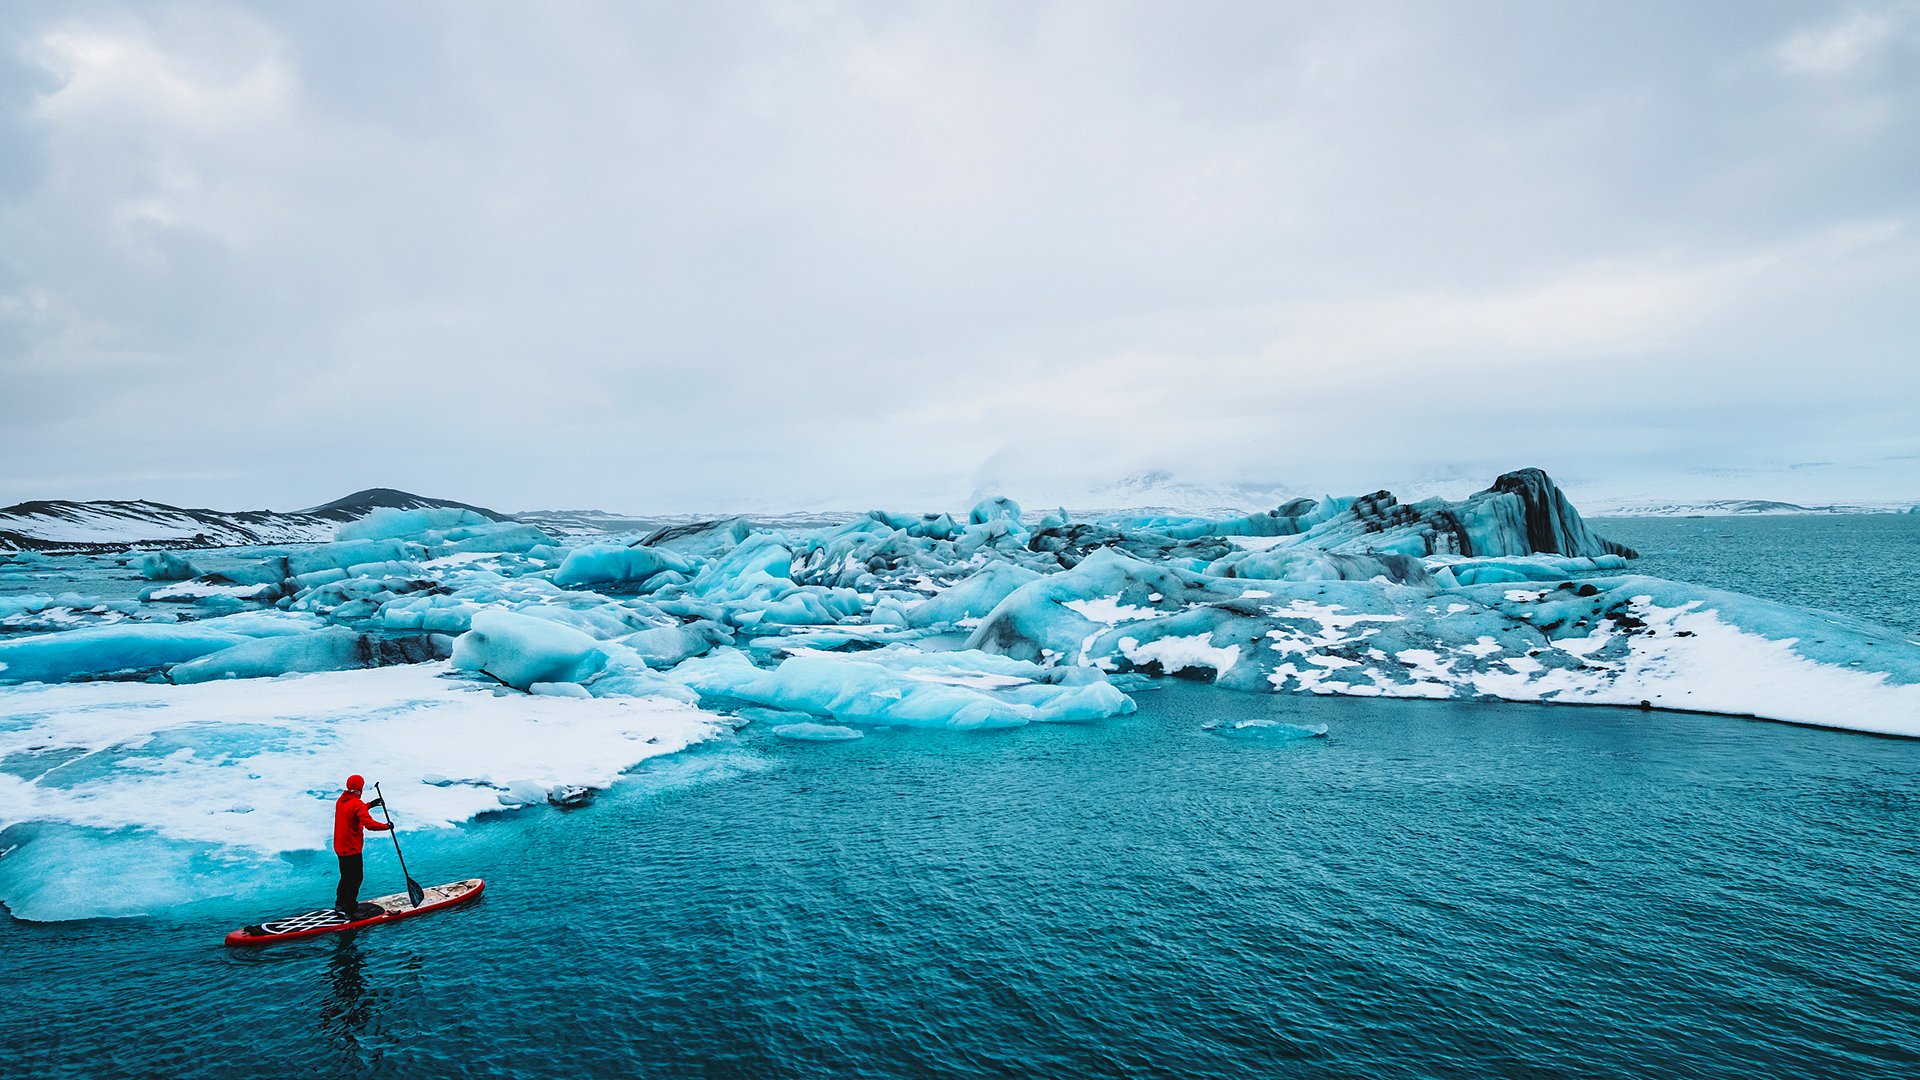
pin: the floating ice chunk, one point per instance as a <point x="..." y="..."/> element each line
<point x="861" y="691"/>
<point x="610" y="563"/>
<point x="518" y="793"/>
<point x="520" y="650"/>
<point x="997" y="508"/>
<point x="1524" y="568"/>
<point x="972" y="597"/>
<point x="665" y="646"/>
<point x="440" y="614"/>
<point x="502" y="537"/>
<point x="805" y="732"/>
<point x="805" y="605"/>
<point x="340" y="556"/>
<point x="889" y="612"/>
<point x="1269" y="731"/>
<point x="759" y="568"/>
<point x="67" y="611"/>
<point x="101" y="650"/>
<point x="332" y="649"/>
<point x="166" y="566"/>
<point x="387" y="523"/>
<point x="1306" y="564"/>
<point x="335" y="648"/>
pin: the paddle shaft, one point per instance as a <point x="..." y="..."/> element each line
<point x="414" y="892"/>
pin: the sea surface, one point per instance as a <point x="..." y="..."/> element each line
<point x="1432" y="889"/>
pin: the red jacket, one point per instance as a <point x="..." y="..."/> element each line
<point x="349" y="816"/>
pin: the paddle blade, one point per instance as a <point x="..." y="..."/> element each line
<point x="415" y="893"/>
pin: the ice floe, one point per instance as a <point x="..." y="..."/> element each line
<point x="237" y="773"/>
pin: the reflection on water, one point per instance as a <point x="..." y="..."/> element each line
<point x="349" y="1007"/>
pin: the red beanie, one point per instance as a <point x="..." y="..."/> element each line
<point x="356" y="782"/>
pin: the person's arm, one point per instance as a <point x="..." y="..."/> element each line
<point x="371" y="822"/>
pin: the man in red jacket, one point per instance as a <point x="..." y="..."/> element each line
<point x="350" y="816"/>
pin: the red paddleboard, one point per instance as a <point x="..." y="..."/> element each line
<point x="327" y="921"/>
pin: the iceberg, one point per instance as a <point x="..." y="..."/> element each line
<point x="520" y="650"/>
<point x="52" y="658"/>
<point x="389" y="523"/>
<point x="166" y="566"/>
<point x="805" y="732"/>
<point x="956" y="692"/>
<point x="335" y="648"/>
<point x="611" y="563"/>
<point x="1507" y="593"/>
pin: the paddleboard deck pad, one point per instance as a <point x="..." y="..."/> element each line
<point x="371" y="913"/>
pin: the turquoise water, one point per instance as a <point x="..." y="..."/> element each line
<point x="1435" y="889"/>
<point x="1857" y="564"/>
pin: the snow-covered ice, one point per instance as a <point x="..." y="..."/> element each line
<point x="241" y="772"/>
<point x="564" y="653"/>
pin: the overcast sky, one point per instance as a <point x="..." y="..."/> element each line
<point x="687" y="257"/>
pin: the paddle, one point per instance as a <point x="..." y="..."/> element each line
<point x="414" y="892"/>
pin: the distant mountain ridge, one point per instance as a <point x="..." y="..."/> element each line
<point x="1161" y="492"/>
<point x="118" y="524"/>
<point x="1732" y="508"/>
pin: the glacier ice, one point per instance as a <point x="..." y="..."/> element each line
<point x="809" y="732"/>
<point x="1507" y="594"/>
<point x="334" y="648"/>
<point x="520" y="650"/>
<point x="388" y="523"/>
<point x="611" y="563"/>
<point x="904" y="689"/>
<point x="103" y="650"/>
<point x="166" y="566"/>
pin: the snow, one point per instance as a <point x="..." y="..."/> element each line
<point x="1176" y="654"/>
<point x="201" y="590"/>
<point x="1109" y="610"/>
<point x="244" y="771"/>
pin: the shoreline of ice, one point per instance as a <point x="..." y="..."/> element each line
<point x="245" y="771"/>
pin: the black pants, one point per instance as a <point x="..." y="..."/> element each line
<point x="348" y="897"/>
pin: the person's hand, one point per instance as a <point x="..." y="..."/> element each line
<point x="376" y="802"/>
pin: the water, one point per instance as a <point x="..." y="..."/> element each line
<point x="1860" y="565"/>
<point x="1435" y="889"/>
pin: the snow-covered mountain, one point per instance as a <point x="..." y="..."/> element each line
<point x="1161" y="492"/>
<point x="1729" y="508"/>
<point x="114" y="524"/>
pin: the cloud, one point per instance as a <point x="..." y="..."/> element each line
<point x="677" y="259"/>
<point x="1853" y="42"/>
